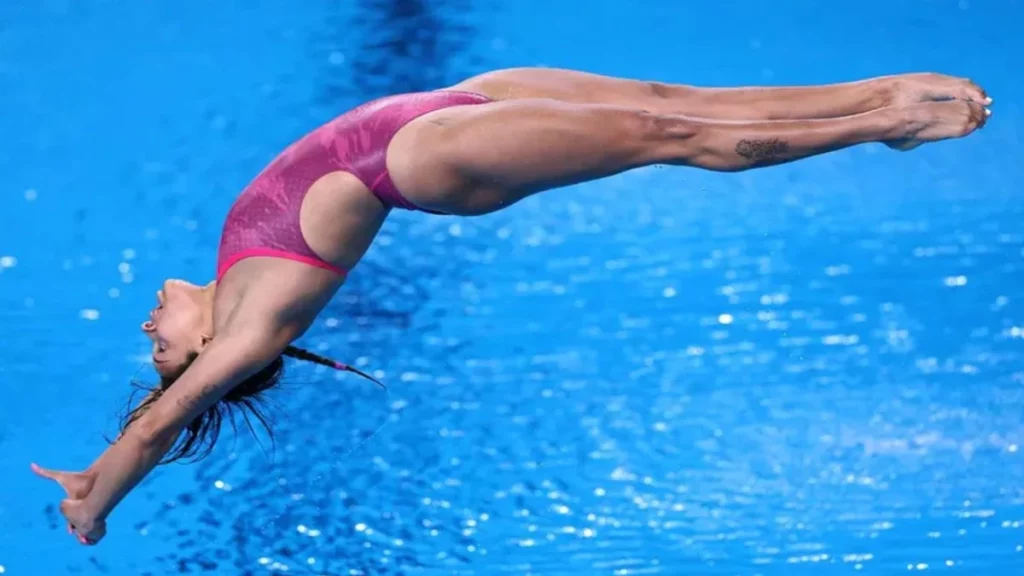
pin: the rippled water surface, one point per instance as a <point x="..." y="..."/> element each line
<point x="810" y="369"/>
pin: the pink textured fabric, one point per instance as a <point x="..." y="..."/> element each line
<point x="264" y="220"/>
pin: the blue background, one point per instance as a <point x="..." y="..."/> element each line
<point x="568" y="393"/>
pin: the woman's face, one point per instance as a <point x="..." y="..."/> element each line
<point x="179" y="326"/>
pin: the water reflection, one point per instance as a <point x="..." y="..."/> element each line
<point x="384" y="47"/>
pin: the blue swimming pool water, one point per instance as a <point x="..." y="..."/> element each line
<point x="813" y="369"/>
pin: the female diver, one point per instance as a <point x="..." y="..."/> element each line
<point x="474" y="148"/>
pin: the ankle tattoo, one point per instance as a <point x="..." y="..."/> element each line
<point x="762" y="150"/>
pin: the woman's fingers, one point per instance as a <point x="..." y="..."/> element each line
<point x="44" y="472"/>
<point x="55" y="475"/>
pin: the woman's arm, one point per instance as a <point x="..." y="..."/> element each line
<point x="228" y="360"/>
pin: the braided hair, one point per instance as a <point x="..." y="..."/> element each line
<point x="303" y="354"/>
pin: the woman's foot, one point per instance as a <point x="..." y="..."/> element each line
<point x="908" y="89"/>
<point x="937" y="120"/>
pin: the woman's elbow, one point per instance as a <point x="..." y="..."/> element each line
<point x="151" y="433"/>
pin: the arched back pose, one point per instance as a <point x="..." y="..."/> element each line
<point x="477" y="147"/>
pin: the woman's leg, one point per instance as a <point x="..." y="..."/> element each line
<point x="478" y="159"/>
<point x="748" y="103"/>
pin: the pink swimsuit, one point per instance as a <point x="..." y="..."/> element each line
<point x="264" y="220"/>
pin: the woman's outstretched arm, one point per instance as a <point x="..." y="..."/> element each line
<point x="227" y="361"/>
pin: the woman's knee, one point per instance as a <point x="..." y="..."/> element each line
<point x="665" y="138"/>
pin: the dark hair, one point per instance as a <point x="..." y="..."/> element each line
<point x="201" y="434"/>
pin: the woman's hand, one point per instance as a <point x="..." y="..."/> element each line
<point x="77" y="485"/>
<point x="82" y="523"/>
